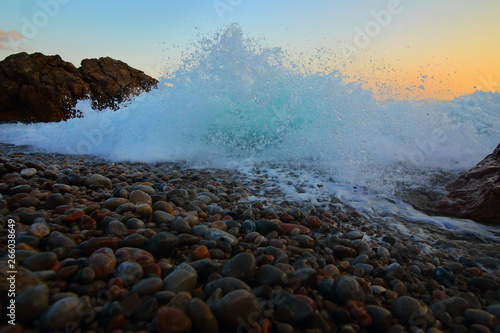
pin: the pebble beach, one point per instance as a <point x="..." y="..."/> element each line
<point x="104" y="246"/>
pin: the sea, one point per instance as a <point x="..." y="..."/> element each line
<point x="234" y="103"/>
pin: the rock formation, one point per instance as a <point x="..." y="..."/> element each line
<point x="39" y="88"/>
<point x="475" y="194"/>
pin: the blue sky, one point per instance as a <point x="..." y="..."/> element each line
<point x="441" y="37"/>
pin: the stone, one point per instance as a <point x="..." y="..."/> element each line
<point x="130" y="272"/>
<point x="28" y="172"/>
<point x="39" y="88"/>
<point x="289" y="227"/>
<point x="300" y="309"/>
<point x="93" y="244"/>
<point x="138" y="197"/>
<point x="40" y="261"/>
<point x="202" y="316"/>
<point x="116" y="228"/>
<point x="140" y="256"/>
<point x="57" y="239"/>
<point x="347" y="288"/>
<point x="482" y="317"/>
<point x="171" y="320"/>
<point x="484" y="284"/>
<point x="312" y="222"/>
<point x="103" y="262"/>
<point x="162" y="244"/>
<point x="266" y="226"/>
<point x="160" y="217"/>
<point x="381" y="317"/>
<point x="63" y="312"/>
<point x="359" y="313"/>
<point x="180" y="225"/>
<point x="97" y="181"/>
<point x="409" y="310"/>
<point x="475" y="194"/>
<point x="270" y="275"/>
<point x="238" y="308"/>
<point x="455" y="306"/>
<point x="181" y="280"/>
<point x="114" y="203"/>
<point x="226" y="285"/>
<point x="147" y="286"/>
<point x="341" y="251"/>
<point x="201" y="252"/>
<point x="242" y="266"/>
<point x="32" y="302"/>
<point x="216" y="234"/>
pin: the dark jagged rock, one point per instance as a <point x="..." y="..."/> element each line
<point x="475" y="194"/>
<point x="39" y="88"/>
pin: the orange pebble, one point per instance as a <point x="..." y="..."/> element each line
<point x="201" y="252"/>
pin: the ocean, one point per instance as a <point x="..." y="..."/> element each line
<point x="234" y="103"/>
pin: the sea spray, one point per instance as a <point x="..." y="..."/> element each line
<point x="234" y="102"/>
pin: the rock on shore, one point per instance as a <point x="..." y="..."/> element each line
<point x="475" y="194"/>
<point x="129" y="247"/>
<point x="39" y="88"/>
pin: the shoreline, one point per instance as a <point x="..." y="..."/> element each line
<point x="59" y="211"/>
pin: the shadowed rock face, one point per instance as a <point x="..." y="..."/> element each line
<point x="475" y="194"/>
<point x="39" y="88"/>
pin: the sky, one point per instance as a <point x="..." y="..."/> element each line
<point x="401" y="49"/>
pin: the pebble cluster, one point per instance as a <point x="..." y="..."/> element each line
<point x="127" y="247"/>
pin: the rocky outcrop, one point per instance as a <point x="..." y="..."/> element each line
<point x="475" y="194"/>
<point x="39" y="88"/>
<point x="113" y="81"/>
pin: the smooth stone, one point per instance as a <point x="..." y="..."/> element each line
<point x="301" y="310"/>
<point x="40" y="261"/>
<point x="202" y="316"/>
<point x="226" y="285"/>
<point x="140" y="256"/>
<point x="160" y="217"/>
<point x="171" y="320"/>
<point x="342" y="251"/>
<point x="494" y="309"/>
<point x="347" y="288"/>
<point x="407" y="309"/>
<point x="199" y="230"/>
<point x="134" y="240"/>
<point x="455" y="306"/>
<point x="147" y="286"/>
<point x="54" y="200"/>
<point x="134" y="223"/>
<point x="238" y="308"/>
<point x="91" y="245"/>
<point x="162" y="244"/>
<point x="304" y="241"/>
<point x="381" y="317"/>
<point x="180" y="280"/>
<point x="56" y="239"/>
<point x="32" y="302"/>
<point x="482" y="317"/>
<point x="303" y="277"/>
<point x="63" y="312"/>
<point x="242" y="266"/>
<point x="97" y="181"/>
<point x="266" y="226"/>
<point x="216" y="234"/>
<point x="130" y="272"/>
<point x="116" y="228"/>
<point x="39" y="230"/>
<point x="87" y="275"/>
<point x="148" y="189"/>
<point x="28" y="172"/>
<point x="484" y="284"/>
<point x="180" y="225"/>
<point x="113" y="203"/>
<point x="270" y="275"/>
<point x="46" y="275"/>
<point x="103" y="262"/>
<point x="355" y="234"/>
<point x="138" y="197"/>
<point x="248" y="226"/>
